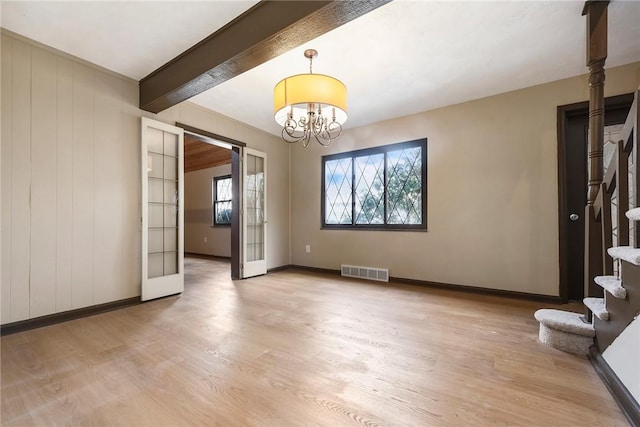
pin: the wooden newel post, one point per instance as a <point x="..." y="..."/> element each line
<point x="596" y="12"/>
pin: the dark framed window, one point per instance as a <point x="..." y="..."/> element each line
<point x="380" y="188"/>
<point x="222" y="195"/>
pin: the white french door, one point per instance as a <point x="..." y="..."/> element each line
<point x="162" y="209"/>
<point x="254" y="213"/>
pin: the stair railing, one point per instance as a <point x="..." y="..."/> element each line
<point x="599" y="229"/>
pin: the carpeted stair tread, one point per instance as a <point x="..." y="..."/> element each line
<point x="597" y="307"/>
<point x="611" y="284"/>
<point x="565" y="321"/>
<point x="625" y="253"/>
<point x="633" y="214"/>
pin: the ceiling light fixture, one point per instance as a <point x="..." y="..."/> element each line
<point x="307" y="105"/>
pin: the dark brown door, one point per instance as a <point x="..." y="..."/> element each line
<point x="573" y="124"/>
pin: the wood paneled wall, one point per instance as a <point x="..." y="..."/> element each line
<point x="70" y="183"/>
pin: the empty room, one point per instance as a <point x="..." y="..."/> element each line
<point x="320" y="213"/>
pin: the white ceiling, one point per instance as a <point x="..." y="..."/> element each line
<point x="402" y="58"/>
<point x="132" y="38"/>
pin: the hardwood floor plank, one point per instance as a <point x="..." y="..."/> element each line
<point x="295" y="348"/>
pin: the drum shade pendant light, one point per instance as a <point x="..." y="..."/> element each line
<point x="310" y="105"/>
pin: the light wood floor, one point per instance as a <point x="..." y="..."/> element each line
<point x="297" y="349"/>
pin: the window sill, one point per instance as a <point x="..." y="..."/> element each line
<point x="419" y="230"/>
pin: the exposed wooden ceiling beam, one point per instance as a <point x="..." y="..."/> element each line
<point x="267" y="30"/>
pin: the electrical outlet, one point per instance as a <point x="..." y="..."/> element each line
<point x="205" y="239"/>
<point x="307" y="248"/>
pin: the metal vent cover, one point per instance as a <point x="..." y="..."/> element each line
<point x="369" y="273"/>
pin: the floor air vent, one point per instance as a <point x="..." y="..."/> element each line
<point x="379" y="274"/>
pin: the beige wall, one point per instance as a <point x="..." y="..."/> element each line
<point x="198" y="214"/>
<point x="492" y="192"/>
<point x="71" y="181"/>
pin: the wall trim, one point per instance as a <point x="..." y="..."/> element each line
<point x="629" y="406"/>
<point x="314" y="269"/>
<point x="450" y="286"/>
<point x="481" y="290"/>
<point x="277" y="269"/>
<point x="52" y="319"/>
<point x="207" y="256"/>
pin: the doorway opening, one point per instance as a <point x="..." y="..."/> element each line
<point x="207" y="181"/>
<point x="212" y="191"/>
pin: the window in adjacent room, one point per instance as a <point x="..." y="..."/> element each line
<point x="380" y="188"/>
<point x="222" y="200"/>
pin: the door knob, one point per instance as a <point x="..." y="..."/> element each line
<point x="574" y="217"/>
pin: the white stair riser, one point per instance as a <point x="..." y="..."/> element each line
<point x="565" y="341"/>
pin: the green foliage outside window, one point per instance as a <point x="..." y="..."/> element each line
<point x="379" y="188"/>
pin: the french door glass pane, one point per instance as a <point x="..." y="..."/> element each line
<point x="156" y="238"/>
<point x="162" y="172"/>
<point x="156" y="267"/>
<point x="155" y="165"/>
<point x="170" y="239"/>
<point x="170" y="215"/>
<point x="170" y="191"/>
<point x="155" y="141"/>
<point x="170" y="144"/>
<point x="156" y="215"/>
<point x="255" y="208"/>
<point x="170" y="263"/>
<point x="156" y="190"/>
<point x="170" y="168"/>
